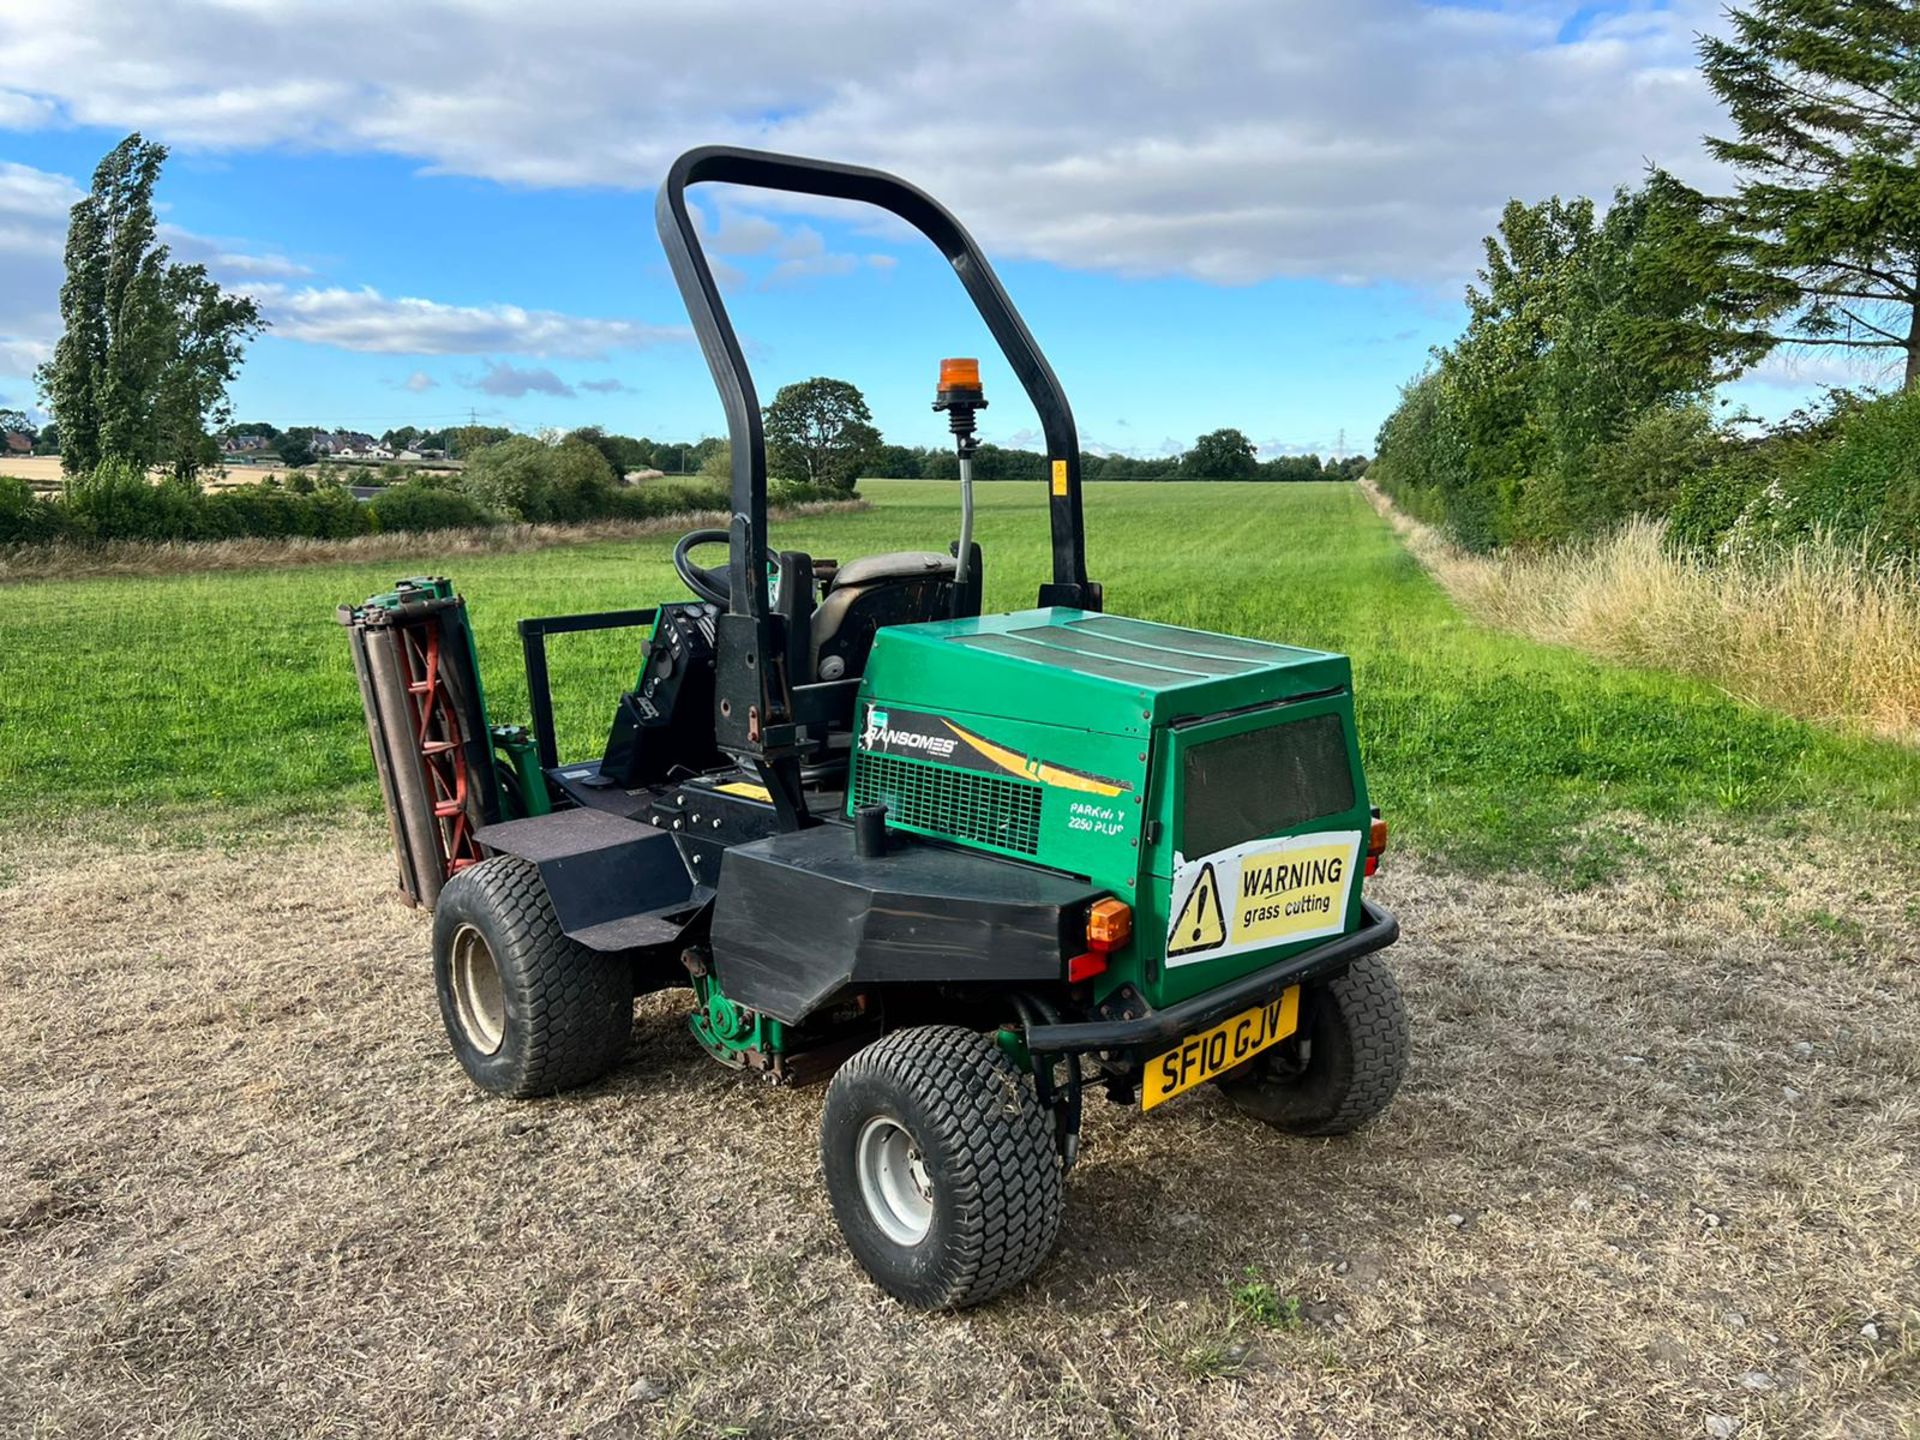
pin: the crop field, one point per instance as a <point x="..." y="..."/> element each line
<point x="1655" y="1170"/>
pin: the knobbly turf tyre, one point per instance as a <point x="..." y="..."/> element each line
<point x="553" y="1015"/>
<point x="963" y="1128"/>
<point x="1345" y="1065"/>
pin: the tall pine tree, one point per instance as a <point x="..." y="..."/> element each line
<point x="1825" y="95"/>
<point x="149" y="347"/>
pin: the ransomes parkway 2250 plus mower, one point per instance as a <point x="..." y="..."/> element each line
<point x="965" y="865"/>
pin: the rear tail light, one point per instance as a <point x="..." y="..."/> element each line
<point x="1376" y="842"/>
<point x="1109" y="925"/>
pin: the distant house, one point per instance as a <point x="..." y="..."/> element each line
<point x="247" y="444"/>
<point x="19" y="444"/>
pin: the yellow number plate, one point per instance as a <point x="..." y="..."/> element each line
<point x="1213" y="1052"/>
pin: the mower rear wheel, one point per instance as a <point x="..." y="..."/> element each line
<point x="1341" y="1068"/>
<point x="528" y="1011"/>
<point x="941" y="1167"/>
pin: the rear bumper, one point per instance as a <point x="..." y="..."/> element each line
<point x="1162" y="1029"/>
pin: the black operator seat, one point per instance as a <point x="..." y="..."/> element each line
<point x="901" y="588"/>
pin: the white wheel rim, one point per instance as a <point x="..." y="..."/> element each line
<point x="479" y="999"/>
<point x="894" y="1181"/>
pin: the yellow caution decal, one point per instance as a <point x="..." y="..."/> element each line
<point x="747" y="790"/>
<point x="1199" y="925"/>
<point x="1059" y="477"/>
<point x="1029" y="768"/>
<point x="1265" y="892"/>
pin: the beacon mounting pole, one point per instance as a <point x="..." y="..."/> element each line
<point x="960" y="395"/>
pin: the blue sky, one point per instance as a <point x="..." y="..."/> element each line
<point x="1241" y="214"/>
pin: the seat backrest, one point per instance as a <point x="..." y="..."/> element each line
<point x="845" y="623"/>
<point x="896" y="565"/>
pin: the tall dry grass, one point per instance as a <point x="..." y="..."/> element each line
<point x="1817" y="630"/>
<point x="64" y="561"/>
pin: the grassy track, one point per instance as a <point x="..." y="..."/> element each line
<point x="177" y="697"/>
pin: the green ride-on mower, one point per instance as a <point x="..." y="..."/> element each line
<point x="963" y="865"/>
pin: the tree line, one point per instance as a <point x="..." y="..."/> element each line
<point x="1581" y="390"/>
<point x="820" y="433"/>
<point x="139" y="378"/>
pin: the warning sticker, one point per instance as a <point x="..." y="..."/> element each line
<point x="1266" y="892"/>
<point x="1059" y="477"/>
<point x="1199" y="925"/>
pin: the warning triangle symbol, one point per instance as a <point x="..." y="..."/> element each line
<point x="1199" y="925"/>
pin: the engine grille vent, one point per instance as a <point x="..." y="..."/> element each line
<point x="960" y="804"/>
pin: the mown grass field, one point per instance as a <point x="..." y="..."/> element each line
<point x="209" y="701"/>
<point x="1655" y="1169"/>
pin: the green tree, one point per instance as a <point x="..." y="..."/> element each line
<point x="466" y="440"/>
<point x="1221" y="455"/>
<point x="1825" y="222"/>
<point x="512" y="476"/>
<point x="582" y="481"/>
<point x="205" y="334"/>
<point x="820" y="431"/>
<point x="148" y="347"/>
<point x="901" y="462"/>
<point x="48" y="441"/>
<point x="15" y="422"/>
<point x="295" y="449"/>
<point x="623" y="453"/>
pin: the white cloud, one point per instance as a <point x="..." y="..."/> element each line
<point x="1231" y="140"/>
<point x="612" y="385"/>
<point x="511" y="382"/>
<point x="23" y="112"/>
<point x="1799" y="367"/>
<point x="419" y="382"/>
<point x="33" y="227"/>
<point x="33" y="223"/>
<point x="365" y="320"/>
<point x="799" y="251"/>
<point x="737" y="233"/>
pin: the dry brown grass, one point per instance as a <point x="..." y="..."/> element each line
<point x="244" y="1189"/>
<point x="1816" y="632"/>
<point x="62" y="561"/>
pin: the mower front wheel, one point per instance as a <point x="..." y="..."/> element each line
<point x="1344" y="1064"/>
<point x="941" y="1167"/>
<point x="528" y="1010"/>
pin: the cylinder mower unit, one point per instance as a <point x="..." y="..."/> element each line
<point x="420" y="687"/>
<point x="965" y="865"/>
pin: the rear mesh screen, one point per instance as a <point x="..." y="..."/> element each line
<point x="1262" y="782"/>
<point x="961" y="803"/>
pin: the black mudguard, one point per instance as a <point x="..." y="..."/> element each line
<point x="800" y="918"/>
<point x="616" y="884"/>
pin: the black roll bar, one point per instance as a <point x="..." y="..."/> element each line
<point x="766" y="171"/>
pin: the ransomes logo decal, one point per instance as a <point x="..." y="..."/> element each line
<point x="934" y="737"/>
<point x="881" y="735"/>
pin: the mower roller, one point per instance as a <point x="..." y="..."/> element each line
<point x="963" y="866"/>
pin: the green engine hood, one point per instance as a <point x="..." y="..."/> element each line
<point x="1095" y="672"/>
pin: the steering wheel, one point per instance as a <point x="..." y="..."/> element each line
<point x="715" y="586"/>
<point x="710" y="585"/>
